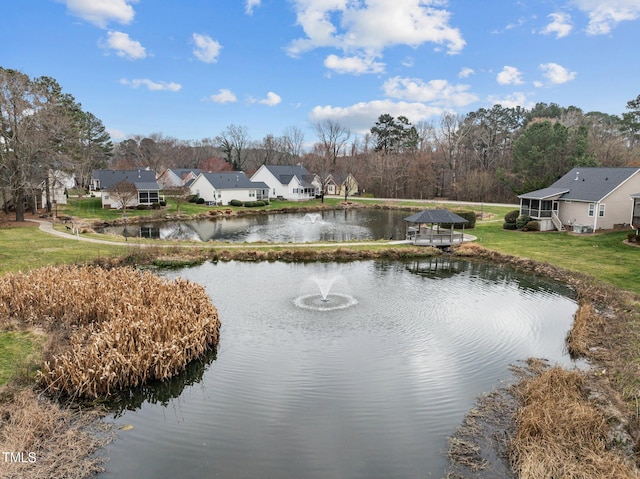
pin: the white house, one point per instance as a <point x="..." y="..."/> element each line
<point x="585" y="199"/>
<point x="221" y="188"/>
<point x="289" y="182"/>
<point x="144" y="181"/>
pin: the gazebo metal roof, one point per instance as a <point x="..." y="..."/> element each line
<point x="435" y="217"/>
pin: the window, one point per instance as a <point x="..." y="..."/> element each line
<point x="592" y="209"/>
<point x="600" y="211"/>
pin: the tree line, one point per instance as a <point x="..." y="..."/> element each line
<point x="490" y="155"/>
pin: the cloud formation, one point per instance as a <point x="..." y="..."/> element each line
<point x="250" y="5"/>
<point x="101" y="12"/>
<point x="360" y="117"/>
<point x="206" y="49"/>
<point x="605" y="15"/>
<point x="272" y="99"/>
<point x="373" y="25"/>
<point x="510" y="76"/>
<point x="124" y="46"/>
<point x="151" y="85"/>
<point x="223" y="96"/>
<point x="556" y="74"/>
<point x="355" y="65"/>
<point x="437" y="92"/>
<point x="560" y="25"/>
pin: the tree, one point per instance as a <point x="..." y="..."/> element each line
<point x="94" y="148"/>
<point x="293" y="141"/>
<point x="630" y="123"/>
<point x="35" y="131"/>
<point x="394" y="136"/>
<point x="123" y="192"/>
<point x="234" y="141"/>
<point x="178" y="193"/>
<point x="332" y="138"/>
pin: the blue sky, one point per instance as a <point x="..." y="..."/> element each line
<point x="188" y="69"/>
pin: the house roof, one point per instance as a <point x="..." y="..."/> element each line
<point x="544" y="193"/>
<point x="108" y="178"/>
<point x="285" y="173"/>
<point x="230" y="179"/>
<point x="435" y="216"/>
<point x="586" y="184"/>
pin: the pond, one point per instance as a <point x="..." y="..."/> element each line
<point x="330" y="225"/>
<point x="356" y="370"/>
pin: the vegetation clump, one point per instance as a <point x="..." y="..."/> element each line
<point x="119" y="328"/>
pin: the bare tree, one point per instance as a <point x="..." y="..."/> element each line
<point x="332" y="138"/>
<point x="293" y="139"/>
<point x="234" y="142"/>
<point x="178" y="193"/>
<point x="124" y="193"/>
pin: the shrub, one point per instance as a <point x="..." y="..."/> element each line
<point x="250" y="204"/>
<point x="522" y="221"/>
<point x="143" y="207"/>
<point x="511" y="216"/>
<point x="235" y="203"/>
<point x="468" y="215"/>
<point x="532" y="226"/>
<point x="260" y="203"/>
<point x="509" y="226"/>
<point x="200" y="201"/>
<point x="155" y="206"/>
<point x="192" y="198"/>
<point x="163" y="203"/>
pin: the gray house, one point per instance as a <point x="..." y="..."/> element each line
<point x="148" y="190"/>
<point x="584" y="200"/>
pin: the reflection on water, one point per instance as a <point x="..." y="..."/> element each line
<point x="332" y="225"/>
<point x="369" y="391"/>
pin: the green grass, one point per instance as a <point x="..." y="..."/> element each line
<point x="19" y="355"/>
<point x="26" y="248"/>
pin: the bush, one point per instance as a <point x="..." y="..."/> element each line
<point x="511" y="216"/>
<point x="532" y="225"/>
<point x="155" y="206"/>
<point x="163" y="203"/>
<point x="143" y="207"/>
<point x="509" y="226"/>
<point x="235" y="203"/>
<point x="200" y="201"/>
<point x="522" y="221"/>
<point x="192" y="198"/>
<point x="468" y="215"/>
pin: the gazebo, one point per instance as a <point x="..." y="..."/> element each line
<point x="423" y="229"/>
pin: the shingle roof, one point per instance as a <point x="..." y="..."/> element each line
<point x="435" y="216"/>
<point x="231" y="179"/>
<point x="285" y="173"/>
<point x="586" y="184"/>
<point x="108" y="178"/>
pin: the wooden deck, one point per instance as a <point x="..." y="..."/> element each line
<point x="433" y="237"/>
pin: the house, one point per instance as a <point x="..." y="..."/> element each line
<point x="289" y="182"/>
<point x="341" y="185"/>
<point x="59" y="183"/>
<point x="635" y="213"/>
<point x="221" y="188"/>
<point x="584" y="200"/>
<point x="105" y="184"/>
<point x="177" y="176"/>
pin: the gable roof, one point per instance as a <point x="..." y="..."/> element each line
<point x="585" y="184"/>
<point x="435" y="216"/>
<point x="142" y="179"/>
<point x="284" y="173"/>
<point x="230" y="179"/>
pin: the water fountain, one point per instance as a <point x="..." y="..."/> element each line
<point x="313" y="218"/>
<point x="325" y="299"/>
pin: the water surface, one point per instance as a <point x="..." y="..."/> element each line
<point x="370" y="391"/>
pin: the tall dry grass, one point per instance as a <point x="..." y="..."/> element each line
<point x="124" y="327"/>
<point x="561" y="434"/>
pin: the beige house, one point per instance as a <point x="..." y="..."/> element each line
<point x="585" y="200"/>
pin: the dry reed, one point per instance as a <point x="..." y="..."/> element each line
<point x="55" y="443"/>
<point x="560" y="433"/>
<point x="125" y="327"/>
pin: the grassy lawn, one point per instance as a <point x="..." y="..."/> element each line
<point x="19" y="354"/>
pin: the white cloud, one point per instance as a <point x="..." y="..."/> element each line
<point x="556" y="74"/>
<point x="560" y="26"/>
<point x="373" y="26"/>
<point x="250" y="5"/>
<point x="439" y="92"/>
<point x="223" y="96"/>
<point x="356" y="65"/>
<point x="101" y="12"/>
<point x="513" y="100"/>
<point x="272" y="99"/>
<point x="466" y="72"/>
<point x="124" y="46"/>
<point x="206" y="49"/>
<point x="151" y="85"/>
<point x="116" y="134"/>
<point x="510" y="76"/>
<point x="362" y="116"/>
<point x="605" y="15"/>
